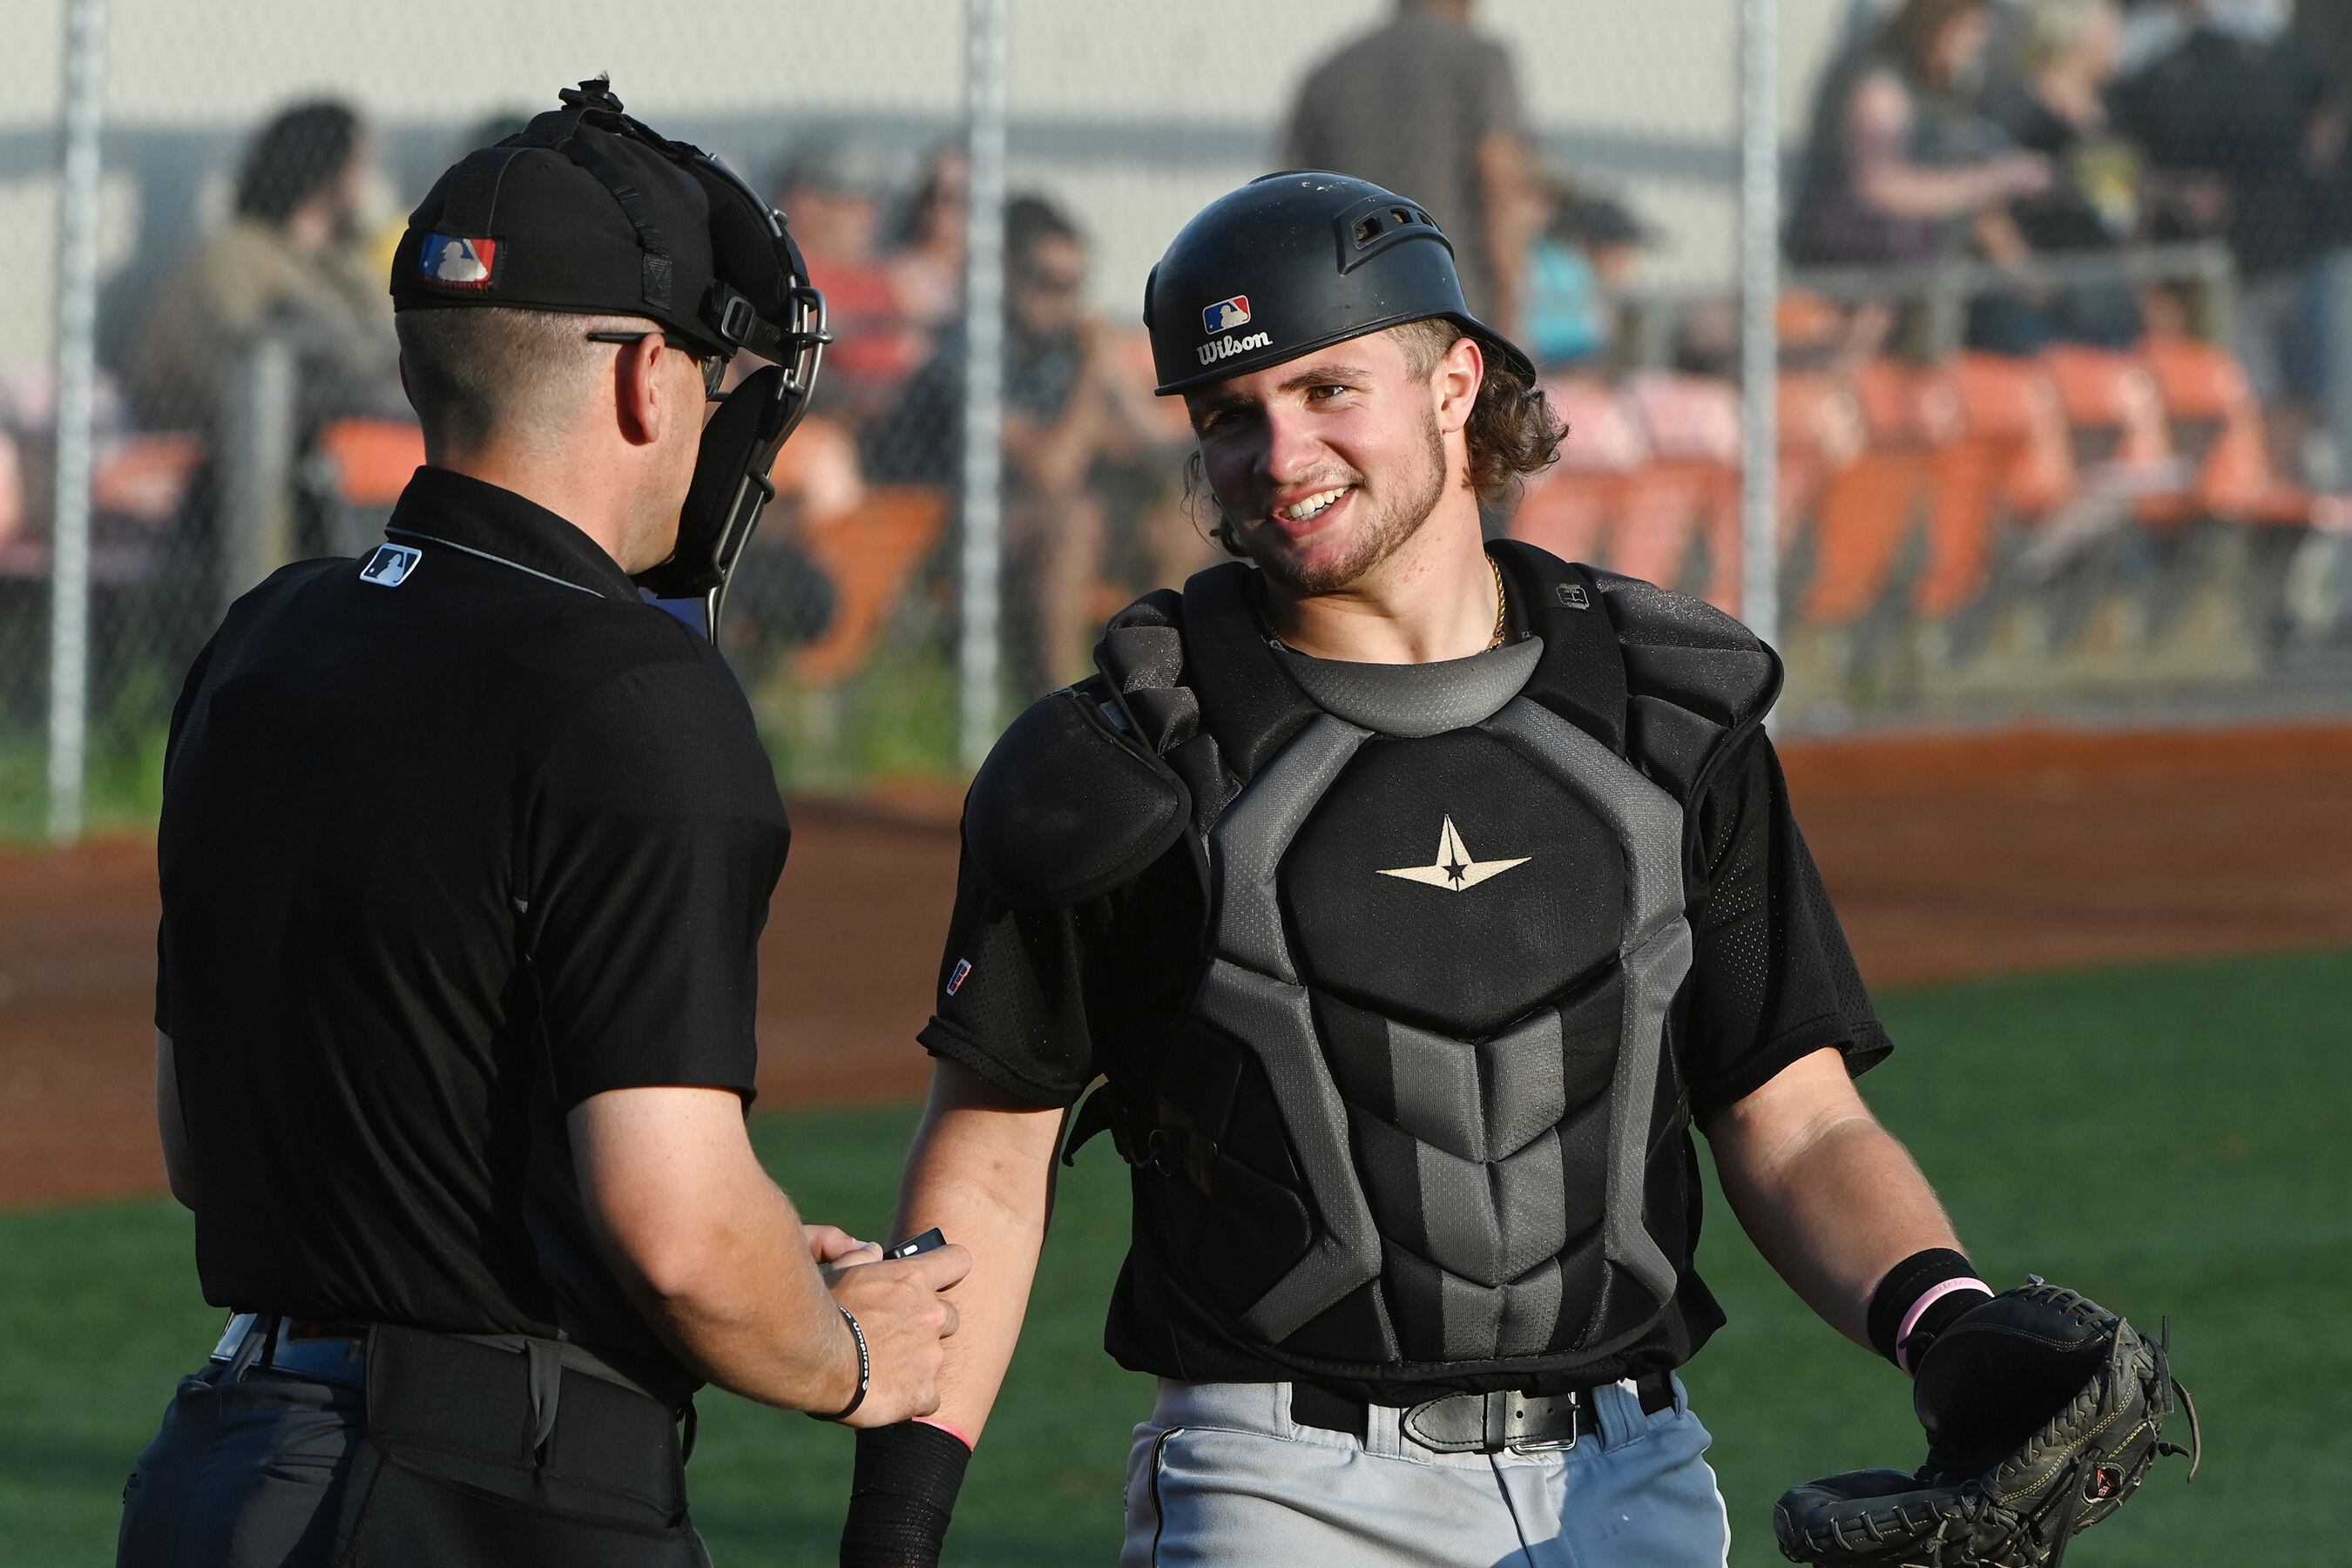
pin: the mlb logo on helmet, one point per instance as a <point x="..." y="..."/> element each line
<point x="1225" y="314"/>
<point x="455" y="262"/>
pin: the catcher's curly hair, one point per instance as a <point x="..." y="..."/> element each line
<point x="1513" y="432"/>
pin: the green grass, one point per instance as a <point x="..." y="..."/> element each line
<point x="2174" y="1141"/>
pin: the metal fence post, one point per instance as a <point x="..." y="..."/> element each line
<point x="1759" y="304"/>
<point x="83" y="115"/>
<point x="979" y="650"/>
<point x="257" y="465"/>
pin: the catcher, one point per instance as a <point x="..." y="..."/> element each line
<point x="1414" y="898"/>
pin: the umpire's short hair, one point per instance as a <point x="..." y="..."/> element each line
<point x="486" y="370"/>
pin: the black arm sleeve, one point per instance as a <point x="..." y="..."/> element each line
<point x="1771" y="977"/>
<point x="1012" y="1002"/>
<point x="655" y="841"/>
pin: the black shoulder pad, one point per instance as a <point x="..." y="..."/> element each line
<point x="1694" y="677"/>
<point x="1063" y="810"/>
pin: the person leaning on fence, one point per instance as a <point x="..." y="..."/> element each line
<point x="291" y="261"/>
<point x="465" y="853"/>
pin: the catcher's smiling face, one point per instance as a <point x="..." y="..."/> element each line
<point x="1323" y="466"/>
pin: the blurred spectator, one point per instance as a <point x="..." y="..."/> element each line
<point x="2323" y="30"/>
<point x="293" y="261"/>
<point x="1899" y="167"/>
<point x="1430" y="110"/>
<point x="926" y="250"/>
<point x="831" y="193"/>
<point x="1075" y="428"/>
<point x="2053" y="102"/>
<point x="2244" y="132"/>
<point x="1578" y="271"/>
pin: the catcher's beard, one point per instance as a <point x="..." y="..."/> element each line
<point x="1391" y="517"/>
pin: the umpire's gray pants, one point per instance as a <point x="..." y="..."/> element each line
<point x="1221" y="1475"/>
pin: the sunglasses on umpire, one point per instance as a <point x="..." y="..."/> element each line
<point x="714" y="366"/>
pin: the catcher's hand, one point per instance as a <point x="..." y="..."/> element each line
<point x="2043" y="1412"/>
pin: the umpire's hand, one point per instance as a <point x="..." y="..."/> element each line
<point x="901" y="1309"/>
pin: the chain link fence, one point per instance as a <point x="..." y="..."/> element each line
<point x="2022" y="468"/>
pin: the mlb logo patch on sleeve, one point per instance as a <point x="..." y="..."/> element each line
<point x="455" y="262"/>
<point x="390" y="565"/>
<point x="1226" y="315"/>
<point x="962" y="972"/>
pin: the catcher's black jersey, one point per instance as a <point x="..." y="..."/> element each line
<point x="1416" y="1054"/>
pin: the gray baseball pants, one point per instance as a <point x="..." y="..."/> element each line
<point x="1221" y="1475"/>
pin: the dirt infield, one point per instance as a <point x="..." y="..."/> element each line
<point x="1948" y="857"/>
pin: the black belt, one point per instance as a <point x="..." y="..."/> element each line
<point x="1480" y="1423"/>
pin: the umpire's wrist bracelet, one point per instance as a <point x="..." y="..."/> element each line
<point x="865" y="1369"/>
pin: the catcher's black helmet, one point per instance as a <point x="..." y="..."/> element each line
<point x="1291" y="263"/>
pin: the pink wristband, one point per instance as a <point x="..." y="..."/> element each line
<point x="955" y="1432"/>
<point x="1927" y="1298"/>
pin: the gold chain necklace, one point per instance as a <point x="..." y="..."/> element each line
<point x="1501" y="603"/>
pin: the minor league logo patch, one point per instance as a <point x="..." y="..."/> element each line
<point x="1226" y="315"/>
<point x="455" y="261"/>
<point x="390" y="565"/>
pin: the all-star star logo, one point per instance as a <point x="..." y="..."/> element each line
<point x="1454" y="870"/>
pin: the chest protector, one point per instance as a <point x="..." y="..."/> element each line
<point x="1423" y="1114"/>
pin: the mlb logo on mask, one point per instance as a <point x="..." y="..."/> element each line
<point x="1225" y="314"/>
<point x="455" y="262"/>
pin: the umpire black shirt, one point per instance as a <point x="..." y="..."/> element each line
<point x="453" y="836"/>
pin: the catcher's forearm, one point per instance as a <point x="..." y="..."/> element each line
<point x="981" y="1170"/>
<point x="1831" y="1199"/>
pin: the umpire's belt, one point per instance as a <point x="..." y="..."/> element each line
<point x="1479" y="1422"/>
<point x="520" y="1415"/>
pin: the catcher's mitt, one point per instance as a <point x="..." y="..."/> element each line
<point x="2043" y="1412"/>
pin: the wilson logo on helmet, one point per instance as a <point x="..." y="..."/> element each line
<point x="1229" y="345"/>
<point x="1226" y="315"/>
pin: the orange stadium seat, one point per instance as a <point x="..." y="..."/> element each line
<point x="372" y="459"/>
<point x="869" y="554"/>
<point x="2112" y="412"/>
<point x="2012" y="404"/>
<point x="1688" y="493"/>
<point x="2217" y="425"/>
<point x="1569" y="509"/>
<point x="1866" y="509"/>
<point x="2000" y="451"/>
<point x="145" y="477"/>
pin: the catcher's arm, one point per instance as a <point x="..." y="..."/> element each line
<point x="1828" y="1195"/>
<point x="981" y="1171"/>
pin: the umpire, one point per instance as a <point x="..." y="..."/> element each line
<point x="466" y="850"/>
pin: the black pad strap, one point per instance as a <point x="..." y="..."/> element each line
<point x="657" y="270"/>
